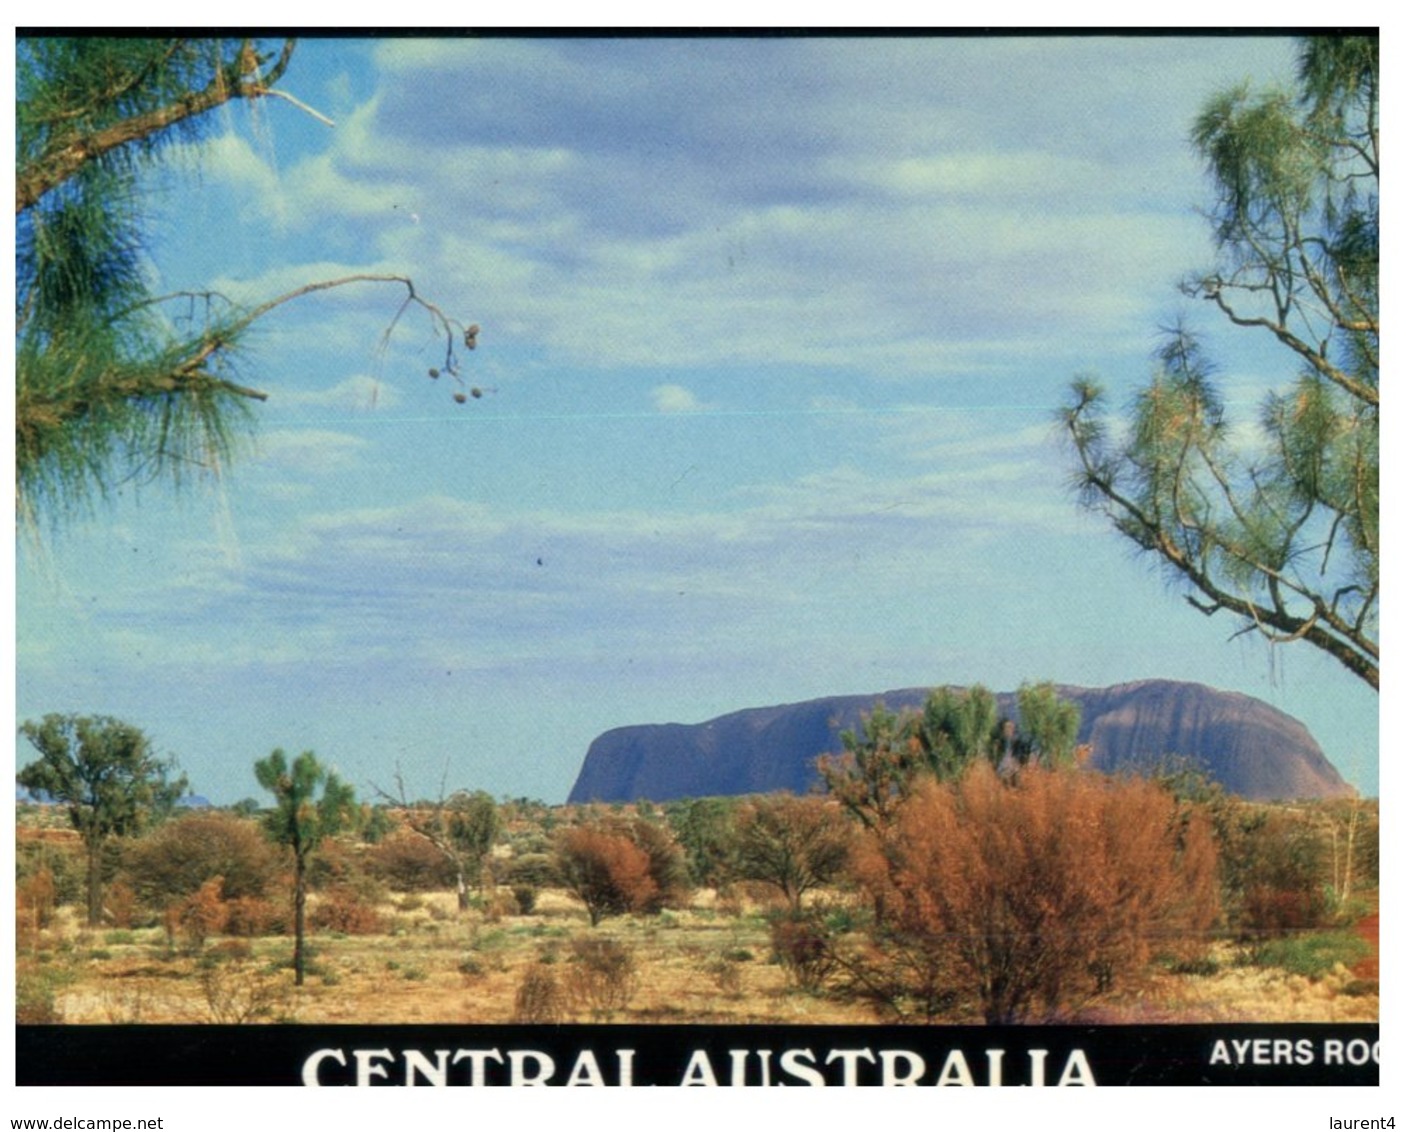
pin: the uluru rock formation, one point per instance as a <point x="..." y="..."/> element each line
<point x="1250" y="748"/>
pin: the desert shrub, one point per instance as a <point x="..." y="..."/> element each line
<point x="250" y="916"/>
<point x="36" y="898"/>
<point x="803" y="947"/>
<point x="1275" y="873"/>
<point x="668" y="867"/>
<point x="121" y="904"/>
<point x="539" y="998"/>
<point x="729" y="903"/>
<point x="202" y="914"/>
<point x="526" y="897"/>
<point x="726" y="975"/>
<point x="407" y="862"/>
<point x="601" y="976"/>
<point x="236" y="992"/>
<point x="1038" y="892"/>
<point x="535" y="869"/>
<point x="61" y="859"/>
<point x="606" y="870"/>
<point x="794" y="844"/>
<point x="1313" y="955"/>
<point x="37" y="994"/>
<point x="345" y="912"/>
<point x="173" y="861"/>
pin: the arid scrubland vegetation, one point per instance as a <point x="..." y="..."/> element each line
<point x="1040" y="891"/>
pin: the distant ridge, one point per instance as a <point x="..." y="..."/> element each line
<point x="1250" y="748"/>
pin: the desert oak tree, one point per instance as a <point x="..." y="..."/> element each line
<point x="1281" y="533"/>
<point x="116" y="382"/>
<point x="302" y="820"/>
<point x="104" y="773"/>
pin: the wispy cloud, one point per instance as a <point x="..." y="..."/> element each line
<point x="676" y="399"/>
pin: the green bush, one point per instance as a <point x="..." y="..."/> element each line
<point x="176" y="859"/>
<point x="1314" y="955"/>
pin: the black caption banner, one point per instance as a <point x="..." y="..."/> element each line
<point x="606" y="1055"/>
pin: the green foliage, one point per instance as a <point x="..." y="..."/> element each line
<point x="173" y="861"/>
<point x="893" y="753"/>
<point x="471" y="824"/>
<point x="1048" y="726"/>
<point x="107" y="387"/>
<point x="1275" y="870"/>
<point x="1282" y="534"/>
<point x="704" y="828"/>
<point x="1313" y="955"/>
<point x="301" y="819"/>
<point x="61" y="864"/>
<point x="794" y="844"/>
<point x="374" y="824"/>
<point x="37" y="988"/>
<point x="105" y="775"/>
<point x="958" y="728"/>
<point x="114" y="382"/>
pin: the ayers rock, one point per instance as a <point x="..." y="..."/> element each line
<point x="1252" y="749"/>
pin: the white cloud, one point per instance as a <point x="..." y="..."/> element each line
<point x="356" y="393"/>
<point x="867" y="203"/>
<point x="676" y="399"/>
<point x="318" y="452"/>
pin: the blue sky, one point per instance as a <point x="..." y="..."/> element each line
<point x="773" y="335"/>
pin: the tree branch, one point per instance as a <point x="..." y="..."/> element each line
<point x="65" y="157"/>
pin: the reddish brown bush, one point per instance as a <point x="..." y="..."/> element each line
<point x="803" y="947"/>
<point x="203" y="913"/>
<point x="250" y="916"/>
<point x="1037" y="893"/>
<point x="606" y="870"/>
<point x="345" y="912"/>
<point x="35" y="898"/>
<point x="408" y="862"/>
<point x="602" y="975"/>
<point x="120" y="902"/>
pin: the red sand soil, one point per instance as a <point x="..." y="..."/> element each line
<point x="1369" y="929"/>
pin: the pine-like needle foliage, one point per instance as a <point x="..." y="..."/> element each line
<point x="1283" y="532"/>
<point x="112" y="383"/>
<point x="115" y="382"/>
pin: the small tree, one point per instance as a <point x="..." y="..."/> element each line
<point x="104" y="772"/>
<point x="704" y="828"/>
<point x="462" y="826"/>
<point x="1048" y="727"/>
<point x="794" y="844"/>
<point x="875" y="771"/>
<point x="893" y="753"/>
<point x="301" y="820"/>
<point x="958" y="728"/>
